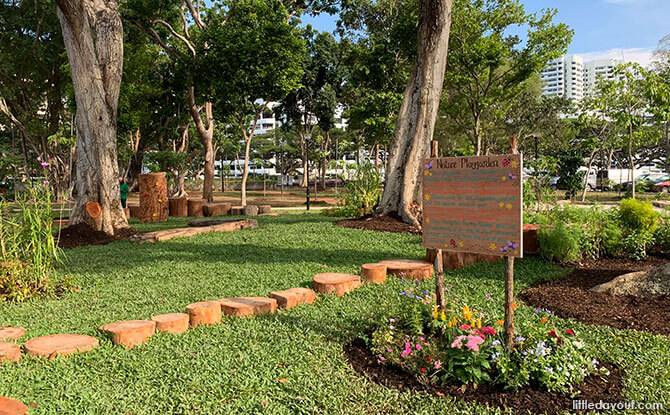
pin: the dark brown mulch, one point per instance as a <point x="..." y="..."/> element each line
<point x="527" y="400"/>
<point x="82" y="234"/>
<point x="569" y="297"/>
<point x="382" y="223"/>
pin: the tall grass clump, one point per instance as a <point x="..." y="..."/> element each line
<point x="27" y="246"/>
<point x="361" y="193"/>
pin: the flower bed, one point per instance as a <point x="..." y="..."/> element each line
<point x="463" y="346"/>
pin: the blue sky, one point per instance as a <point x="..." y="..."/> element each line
<point x="603" y="28"/>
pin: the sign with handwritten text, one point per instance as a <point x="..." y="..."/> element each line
<point x="473" y="204"/>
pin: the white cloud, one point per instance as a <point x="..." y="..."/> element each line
<point x="642" y="56"/>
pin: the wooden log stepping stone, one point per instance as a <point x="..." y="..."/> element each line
<point x="216" y="209"/>
<point x="251" y="210"/>
<point x="237" y="210"/>
<point x="11" y="333"/>
<point x="130" y="333"/>
<point x="412" y="269"/>
<point x="264" y="209"/>
<point x="10" y="352"/>
<point x="9" y="406"/>
<point x="205" y="313"/>
<point x="332" y="282"/>
<point x="247" y="306"/>
<point x="171" y="323"/>
<point x="195" y="207"/>
<point x="293" y="296"/>
<point x="60" y="345"/>
<point x="373" y="273"/>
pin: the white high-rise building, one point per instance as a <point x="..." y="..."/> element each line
<point x="571" y="77"/>
<point x="595" y="69"/>
<point x="564" y="77"/>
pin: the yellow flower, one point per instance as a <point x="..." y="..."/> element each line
<point x="455" y="321"/>
<point x="513" y="164"/>
<point x="500" y="322"/>
<point x="435" y="312"/>
<point x="472" y="323"/>
<point x="427" y="197"/>
<point x="544" y="319"/>
<point x="501" y="204"/>
<point x="449" y="324"/>
<point x="479" y="323"/>
<point x="443" y="316"/>
<point x="503" y="178"/>
<point x="509" y="206"/>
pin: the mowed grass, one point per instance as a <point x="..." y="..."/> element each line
<point x="287" y="363"/>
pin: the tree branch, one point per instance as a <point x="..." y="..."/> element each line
<point x="186" y="42"/>
<point x="195" y="14"/>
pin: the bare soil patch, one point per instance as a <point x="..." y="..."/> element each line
<point x="82" y="234"/>
<point x="381" y="223"/>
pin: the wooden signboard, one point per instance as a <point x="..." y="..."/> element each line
<point x="474" y="204"/>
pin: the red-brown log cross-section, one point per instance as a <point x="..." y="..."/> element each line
<point x="178" y="207"/>
<point x="205" y="312"/>
<point x="9" y="406"/>
<point x="153" y="197"/>
<point x="60" y="345"/>
<point x="11" y="333"/>
<point x="412" y="269"/>
<point x="130" y="333"/>
<point x="332" y="282"/>
<point x="293" y="297"/>
<point x="373" y="273"/>
<point x="247" y="306"/>
<point x="9" y="352"/>
<point x="172" y="323"/>
<point x="195" y="207"/>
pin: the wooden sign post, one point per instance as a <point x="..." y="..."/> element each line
<point x="474" y="204"/>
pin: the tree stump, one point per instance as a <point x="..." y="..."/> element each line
<point x="251" y="210"/>
<point x="247" y="306"/>
<point x="216" y="209"/>
<point x="10" y="352"/>
<point x="332" y="282"/>
<point x="130" y="333"/>
<point x="293" y="297"/>
<point x="178" y="207"/>
<point x="134" y="211"/>
<point x="174" y="323"/>
<point x="410" y="269"/>
<point x="204" y="313"/>
<point x="373" y="273"/>
<point x="60" y="345"/>
<point x="237" y="210"/>
<point x="11" y="333"/>
<point x="263" y="209"/>
<point x="195" y="207"/>
<point x="153" y="197"/>
<point x="94" y="215"/>
<point x="11" y="406"/>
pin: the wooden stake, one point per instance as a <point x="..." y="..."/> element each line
<point x="439" y="266"/>
<point x="509" y="278"/>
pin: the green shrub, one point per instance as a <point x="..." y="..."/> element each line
<point x="635" y="245"/>
<point x="662" y="238"/>
<point x="612" y="239"/>
<point x="559" y="243"/>
<point x="27" y="246"/>
<point x="637" y="216"/>
<point x="361" y="194"/>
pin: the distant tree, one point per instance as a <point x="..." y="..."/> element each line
<point x="251" y="60"/>
<point x="488" y="66"/>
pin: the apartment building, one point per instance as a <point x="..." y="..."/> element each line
<point x="571" y="77"/>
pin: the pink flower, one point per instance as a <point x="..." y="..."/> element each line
<point x="473" y="343"/>
<point x="44" y="164"/>
<point x="457" y="343"/>
<point x="488" y="330"/>
<point x="405" y="353"/>
<point x="382" y="358"/>
<point x="418" y="347"/>
<point x="437" y="364"/>
<point x="389" y="351"/>
<point x="464" y="327"/>
<point x="46" y="183"/>
<point x="39" y="158"/>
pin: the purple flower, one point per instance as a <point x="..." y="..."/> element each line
<point x="44" y="164"/>
<point x="39" y="158"/>
<point x="46" y="183"/>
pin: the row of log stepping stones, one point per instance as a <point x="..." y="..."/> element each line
<point x="133" y="332"/>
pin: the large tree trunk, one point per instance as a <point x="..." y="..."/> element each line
<point x="416" y="119"/>
<point x="206" y="133"/>
<point x="93" y="37"/>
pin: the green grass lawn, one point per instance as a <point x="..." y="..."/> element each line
<point x="236" y="367"/>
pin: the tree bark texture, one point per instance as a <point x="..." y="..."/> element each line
<point x="416" y="119"/>
<point x="154" y="203"/>
<point x="206" y="134"/>
<point x="93" y="37"/>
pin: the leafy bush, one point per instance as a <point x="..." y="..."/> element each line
<point x="635" y="245"/>
<point x="559" y="243"/>
<point x="662" y="238"/>
<point x="638" y="216"/>
<point x="27" y="246"/>
<point x="361" y="194"/>
<point x="612" y="239"/>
